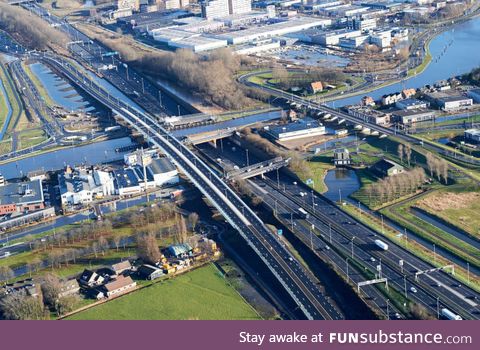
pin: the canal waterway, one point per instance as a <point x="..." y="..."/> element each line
<point x="99" y="152"/>
<point x="61" y="92"/>
<point x="454" y="52"/>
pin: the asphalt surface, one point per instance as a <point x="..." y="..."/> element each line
<point x="296" y="280"/>
<point x="345" y="229"/>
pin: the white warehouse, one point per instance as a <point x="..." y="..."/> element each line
<point x="276" y="29"/>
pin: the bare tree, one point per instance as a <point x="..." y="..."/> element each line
<point x="116" y="241"/>
<point x="147" y="249"/>
<point x="408" y="153"/>
<point x="102" y="244"/>
<point x="193" y="220"/>
<point x="20" y="306"/>
<point x="6" y="273"/>
<point x="51" y="288"/>
<point x="400" y="152"/>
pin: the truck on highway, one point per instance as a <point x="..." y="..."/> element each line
<point x="381" y="244"/>
<point x="450" y="315"/>
<point x="302" y="213"/>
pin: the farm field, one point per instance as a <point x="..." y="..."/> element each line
<point x="200" y="294"/>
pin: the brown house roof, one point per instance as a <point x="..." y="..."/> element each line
<point x="123" y="265"/>
<point x="118" y="283"/>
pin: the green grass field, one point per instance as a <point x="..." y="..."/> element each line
<point x="199" y="294"/>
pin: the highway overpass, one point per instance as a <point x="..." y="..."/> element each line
<point x="294" y="278"/>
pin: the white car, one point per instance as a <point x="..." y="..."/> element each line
<point x="413" y="289"/>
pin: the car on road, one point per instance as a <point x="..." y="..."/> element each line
<point x="372" y="259"/>
<point x="413" y="289"/>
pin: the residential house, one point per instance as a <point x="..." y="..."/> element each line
<point x="386" y="167"/>
<point x="118" y="286"/>
<point x="388" y="100"/>
<point x="315" y="87"/>
<point x="367" y="101"/>
<point x="68" y="287"/>
<point x="121" y="267"/>
<point x="90" y="279"/>
<point x="408" y="93"/>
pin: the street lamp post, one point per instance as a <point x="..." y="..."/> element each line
<point x="330" y="231"/>
<point x="352" y="245"/>
<point x="388" y="309"/>
<point x="438" y="307"/>
<point x="346" y="261"/>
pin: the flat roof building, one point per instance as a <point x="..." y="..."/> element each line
<point x="412" y="103"/>
<point x="273" y="30"/>
<point x="198" y="43"/>
<point x="472" y="135"/>
<point x="21" y="197"/>
<point x="412" y="116"/>
<point x="449" y="100"/>
<point x="306" y="127"/>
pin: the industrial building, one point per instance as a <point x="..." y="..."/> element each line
<point x="213" y="9"/>
<point x="474" y="94"/>
<point x="369" y="115"/>
<point x="198" y="43"/>
<point x="409" y="117"/>
<point x="472" y="135"/>
<point x="353" y="42"/>
<point x="21" y="197"/>
<point x="269" y="31"/>
<point x="449" y="101"/>
<point x="332" y="38"/>
<point x="306" y="127"/>
<point x="411" y="104"/>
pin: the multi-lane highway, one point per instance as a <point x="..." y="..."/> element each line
<point x="297" y="281"/>
<point x="433" y="290"/>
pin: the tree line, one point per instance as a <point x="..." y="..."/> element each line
<point x="286" y="80"/>
<point x="208" y="76"/>
<point x="396" y="186"/>
<point x="19" y="305"/>
<point x="437" y="166"/>
<point x="30" y="30"/>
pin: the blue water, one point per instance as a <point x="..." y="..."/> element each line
<point x="461" y="57"/>
<point x="100" y="152"/>
<point x="9" y="113"/>
<point x="54" y="85"/>
<point x="341" y="183"/>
